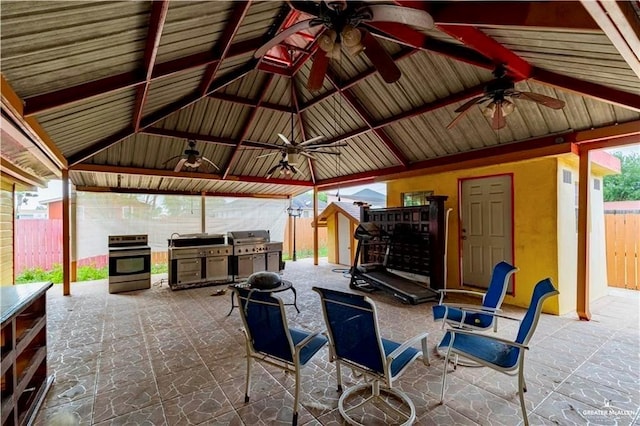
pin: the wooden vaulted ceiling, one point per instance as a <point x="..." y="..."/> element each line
<point x="111" y="90"/>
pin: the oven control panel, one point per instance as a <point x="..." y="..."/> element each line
<point x="128" y="240"/>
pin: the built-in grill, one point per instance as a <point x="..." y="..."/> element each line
<point x="253" y="251"/>
<point x="197" y="260"/>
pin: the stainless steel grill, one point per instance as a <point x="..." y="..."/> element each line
<point x="197" y="260"/>
<point x="253" y="251"/>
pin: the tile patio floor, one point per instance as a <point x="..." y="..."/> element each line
<point x="158" y="357"/>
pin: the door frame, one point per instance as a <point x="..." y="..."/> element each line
<point x="513" y="235"/>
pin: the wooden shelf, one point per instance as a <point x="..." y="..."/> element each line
<point x="24" y="351"/>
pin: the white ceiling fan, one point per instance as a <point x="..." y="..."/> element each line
<point x="191" y="159"/>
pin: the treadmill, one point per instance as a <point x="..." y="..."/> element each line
<point x="370" y="277"/>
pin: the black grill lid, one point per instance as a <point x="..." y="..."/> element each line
<point x="264" y="280"/>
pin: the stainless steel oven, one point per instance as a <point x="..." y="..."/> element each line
<point x="129" y="263"/>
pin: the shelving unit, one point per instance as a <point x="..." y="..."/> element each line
<point x="24" y="352"/>
<point x="414" y="242"/>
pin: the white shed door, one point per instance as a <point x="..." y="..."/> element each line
<point x="344" y="240"/>
<point x="486" y="228"/>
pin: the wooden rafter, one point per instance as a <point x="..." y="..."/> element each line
<point x="247" y="124"/>
<point x="159" y="115"/>
<point x="156" y="23"/>
<point x="52" y="100"/>
<point x="168" y="192"/>
<point x="550" y="14"/>
<point x="102" y="168"/>
<point x="221" y="49"/>
<point x="296" y="107"/>
<point x="621" y="24"/>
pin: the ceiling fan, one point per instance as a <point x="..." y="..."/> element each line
<point x="190" y="159"/>
<point x="499" y="93"/>
<point x="285" y="167"/>
<point x="342" y="21"/>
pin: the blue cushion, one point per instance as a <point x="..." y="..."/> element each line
<point x="484" y="348"/>
<point x="313" y="346"/>
<point x="402" y="360"/>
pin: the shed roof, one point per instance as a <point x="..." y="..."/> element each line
<point x="351" y="210"/>
<point x="113" y="90"/>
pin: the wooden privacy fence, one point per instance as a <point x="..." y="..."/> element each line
<point x="622" y="232"/>
<point x="38" y="243"/>
<point x="304" y="236"/>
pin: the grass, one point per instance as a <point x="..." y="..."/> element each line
<point x="303" y="254"/>
<point x="85" y="273"/>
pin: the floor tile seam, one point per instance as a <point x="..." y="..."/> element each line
<point x="600" y="386"/>
<point x="565" y="379"/>
<point x="155" y="378"/>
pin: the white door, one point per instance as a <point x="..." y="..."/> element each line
<point x="344" y="240"/>
<point x="486" y="228"/>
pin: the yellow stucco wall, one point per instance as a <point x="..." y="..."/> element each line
<point x="535" y="218"/>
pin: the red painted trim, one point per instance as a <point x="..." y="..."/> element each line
<point x="274" y="69"/>
<point x="70" y="95"/>
<point x="490" y="48"/>
<point x="296" y="106"/>
<point x="156" y="23"/>
<point x="247" y="124"/>
<point x="223" y="44"/>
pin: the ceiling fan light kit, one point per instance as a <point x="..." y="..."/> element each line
<point x="344" y="22"/>
<point x="190" y="159"/>
<point x="498" y="93"/>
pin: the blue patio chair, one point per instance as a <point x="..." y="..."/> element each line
<point x="476" y="317"/>
<point x="500" y="354"/>
<point x="354" y="341"/>
<point x="270" y="340"/>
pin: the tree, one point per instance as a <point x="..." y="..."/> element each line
<point x="626" y="185"/>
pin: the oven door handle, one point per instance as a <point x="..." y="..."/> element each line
<point x="129" y="253"/>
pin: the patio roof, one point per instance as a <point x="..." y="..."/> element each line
<point x="112" y="90"/>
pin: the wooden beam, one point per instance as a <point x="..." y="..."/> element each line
<point x="52" y="100"/>
<point x="247" y="124"/>
<point x="630" y="128"/>
<point x="102" y="189"/>
<point x="177" y="134"/>
<point x="101" y="168"/>
<point x="296" y="107"/>
<point x="560" y="15"/>
<point x="249" y="102"/>
<point x="588" y="89"/>
<point x="584" y="210"/>
<point x="159" y="10"/>
<point x="488" y="47"/>
<point x="7" y="167"/>
<point x="66" y="235"/>
<point x="9" y="131"/>
<point x="316" y="245"/>
<point x="13" y="106"/>
<point x="223" y="44"/>
<point x="621" y="24"/>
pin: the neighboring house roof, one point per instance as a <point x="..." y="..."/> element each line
<point x="369" y="196"/>
<point x="622" y="206"/>
<point x="305" y="201"/>
<point x="351" y="210"/>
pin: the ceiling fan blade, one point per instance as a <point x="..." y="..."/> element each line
<point x="267" y="155"/>
<point x="170" y="160"/>
<point x="547" y="101"/>
<point x="458" y="118"/>
<point x="311" y="141"/>
<point x="469" y="104"/>
<point x="306" y="154"/>
<point x="498" y="121"/>
<point x="318" y="71"/>
<point x="284" y="138"/>
<point x="326" y="144"/>
<point x="206" y="160"/>
<point x="381" y="60"/>
<point x="402" y="15"/>
<point x="280" y="37"/>
<point x="272" y="170"/>
<point x="180" y="165"/>
<point x="325" y="152"/>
